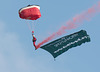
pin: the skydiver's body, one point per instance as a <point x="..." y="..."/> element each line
<point x="34" y="39"/>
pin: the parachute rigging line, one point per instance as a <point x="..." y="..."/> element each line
<point x="28" y="24"/>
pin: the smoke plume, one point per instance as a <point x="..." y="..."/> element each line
<point x="74" y="22"/>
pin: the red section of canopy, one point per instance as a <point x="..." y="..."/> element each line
<point x="30" y="13"/>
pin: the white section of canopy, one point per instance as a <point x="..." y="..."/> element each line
<point x="32" y="6"/>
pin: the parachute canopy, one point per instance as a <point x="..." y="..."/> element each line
<point x="31" y="12"/>
<point x="65" y="43"/>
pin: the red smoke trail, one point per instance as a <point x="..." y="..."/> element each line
<point x="74" y="23"/>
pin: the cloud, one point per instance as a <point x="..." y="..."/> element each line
<point x="12" y="55"/>
<point x="14" y="58"/>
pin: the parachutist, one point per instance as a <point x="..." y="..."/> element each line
<point x="30" y="12"/>
<point x="34" y="39"/>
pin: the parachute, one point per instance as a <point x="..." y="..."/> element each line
<point x="31" y="12"/>
<point x="65" y="43"/>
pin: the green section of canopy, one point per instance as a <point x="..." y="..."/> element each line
<point x="61" y="45"/>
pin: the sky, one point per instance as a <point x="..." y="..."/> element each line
<point x="17" y="54"/>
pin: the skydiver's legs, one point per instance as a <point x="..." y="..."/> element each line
<point x="34" y="45"/>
